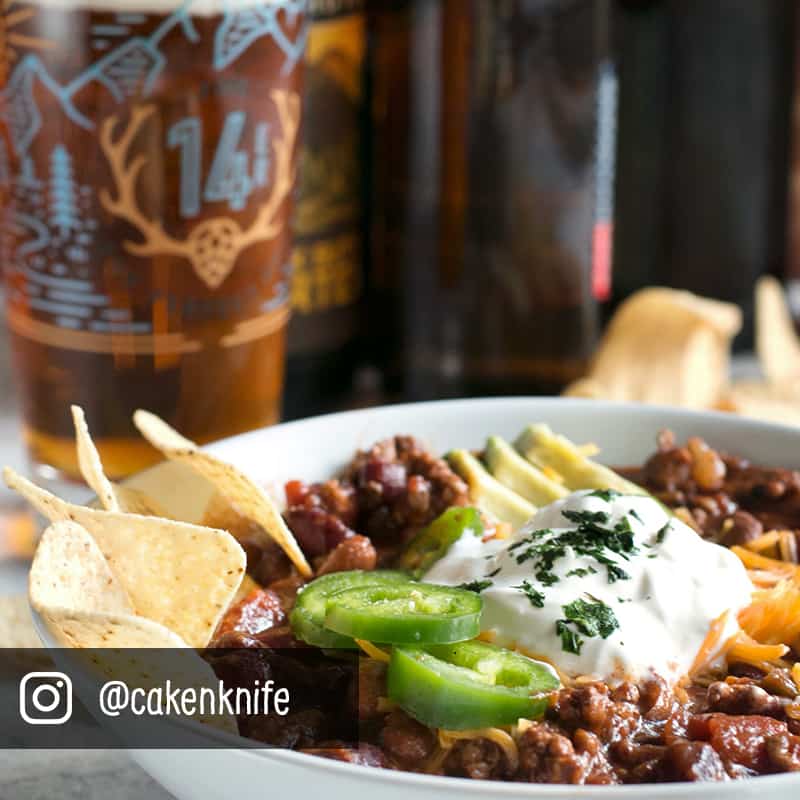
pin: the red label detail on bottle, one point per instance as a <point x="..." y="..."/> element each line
<point x="601" y="260"/>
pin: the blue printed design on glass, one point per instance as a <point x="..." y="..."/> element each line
<point x="129" y="70"/>
<point x="241" y="27"/>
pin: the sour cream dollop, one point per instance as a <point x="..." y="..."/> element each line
<point x="601" y="584"/>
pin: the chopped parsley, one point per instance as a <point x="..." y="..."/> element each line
<point x="586" y="517"/>
<point x="476" y="586"/>
<point x="605" y="494"/>
<point x="589" y="618"/>
<point x="593" y="538"/>
<point x="532" y="593"/>
<point x="570" y="641"/>
<point x="494" y="572"/>
<point x="635" y="515"/>
<point x="662" y="534"/>
<point x="546" y="577"/>
<point x="582" y="572"/>
<point x="592" y="618"/>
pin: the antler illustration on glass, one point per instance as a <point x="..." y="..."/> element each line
<point x="213" y="245"/>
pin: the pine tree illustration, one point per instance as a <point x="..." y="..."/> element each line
<point x="63" y="210"/>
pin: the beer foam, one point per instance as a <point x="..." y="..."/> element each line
<point x="195" y="8"/>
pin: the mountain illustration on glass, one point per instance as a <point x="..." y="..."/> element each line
<point x="62" y="206"/>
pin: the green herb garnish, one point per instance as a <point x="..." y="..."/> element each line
<point x="589" y="618"/>
<point x="476" y="586"/>
<point x="570" y="641"/>
<point x="532" y="593"/>
<point x="605" y="494"/>
<point x="662" y="534"/>
<point x="592" y="619"/>
<point x="585" y="517"/>
<point x="582" y="572"/>
<point x="591" y="538"/>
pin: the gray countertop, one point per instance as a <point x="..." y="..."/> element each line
<point x="54" y="774"/>
<point x="74" y="775"/>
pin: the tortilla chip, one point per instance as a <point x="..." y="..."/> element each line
<point x="70" y="571"/>
<point x="766" y="401"/>
<point x="112" y="497"/>
<point x="777" y="343"/>
<point x="244" y="495"/>
<point x="585" y="387"/>
<point x="664" y="346"/>
<point x="135" y="501"/>
<point x="90" y="464"/>
<point x="180" y="575"/>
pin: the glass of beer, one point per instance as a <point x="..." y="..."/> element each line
<point x="147" y="165"/>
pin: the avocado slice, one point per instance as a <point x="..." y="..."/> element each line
<point x="489" y="494"/>
<point x="541" y="447"/>
<point x="519" y="475"/>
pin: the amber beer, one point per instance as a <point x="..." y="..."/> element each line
<point x="148" y="156"/>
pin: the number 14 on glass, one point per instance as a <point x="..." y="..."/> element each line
<point x="229" y="177"/>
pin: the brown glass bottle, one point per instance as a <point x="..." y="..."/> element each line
<point x="704" y="123"/>
<point x="493" y="153"/>
<point x="328" y="251"/>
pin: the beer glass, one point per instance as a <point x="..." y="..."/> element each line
<point x="147" y="163"/>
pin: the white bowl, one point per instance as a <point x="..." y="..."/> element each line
<point x="315" y="449"/>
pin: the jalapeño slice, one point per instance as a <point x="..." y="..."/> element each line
<point x="468" y="685"/>
<point x="308" y="615"/>
<point x="405" y="613"/>
<point x="431" y="544"/>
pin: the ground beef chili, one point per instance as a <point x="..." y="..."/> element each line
<point x="726" y="498"/>
<point x="592" y="733"/>
<point x="387" y="493"/>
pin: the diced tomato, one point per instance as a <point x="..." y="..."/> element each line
<point x="254" y="614"/>
<point x="296" y="492"/>
<point x="738" y="740"/>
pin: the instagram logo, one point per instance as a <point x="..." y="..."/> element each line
<point x="45" y="698"/>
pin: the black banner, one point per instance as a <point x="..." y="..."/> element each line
<point x="295" y="698"/>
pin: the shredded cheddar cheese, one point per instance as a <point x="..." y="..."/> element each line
<point x="747" y="650"/>
<point x="774" y="615"/>
<point x="714" y="645"/>
<point x="756" y="561"/>
<point x="787" y="546"/>
<point x="372" y="651"/>
<point x="763" y="542"/>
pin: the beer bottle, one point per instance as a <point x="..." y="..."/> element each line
<point x="704" y="140"/>
<point x="327" y="257"/>
<point x="492" y="192"/>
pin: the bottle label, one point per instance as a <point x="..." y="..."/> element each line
<point x="326" y="259"/>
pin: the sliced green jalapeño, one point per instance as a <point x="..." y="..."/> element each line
<point x="308" y="616"/>
<point x="468" y="685"/>
<point x="405" y="613"/>
<point x="431" y="544"/>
